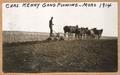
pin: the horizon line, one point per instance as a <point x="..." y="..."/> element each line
<point x="49" y="32"/>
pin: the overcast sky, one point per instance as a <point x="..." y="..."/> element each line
<point x="37" y="20"/>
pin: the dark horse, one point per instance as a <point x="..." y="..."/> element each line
<point x="70" y="30"/>
<point x="94" y="33"/>
<point x="80" y="32"/>
<point x="97" y="32"/>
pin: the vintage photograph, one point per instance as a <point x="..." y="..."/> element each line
<point x="45" y="37"/>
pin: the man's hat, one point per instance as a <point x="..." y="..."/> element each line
<point x="51" y="17"/>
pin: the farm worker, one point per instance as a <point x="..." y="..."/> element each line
<point x="50" y="26"/>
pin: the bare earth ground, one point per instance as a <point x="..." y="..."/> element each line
<point x="61" y="56"/>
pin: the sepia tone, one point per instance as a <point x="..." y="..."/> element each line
<point x="64" y="73"/>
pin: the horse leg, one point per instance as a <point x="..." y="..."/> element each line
<point x="85" y="36"/>
<point x="82" y="35"/>
<point x="64" y="34"/>
<point x="76" y="36"/>
<point x="99" y="36"/>
<point x="68" y="35"/>
<point x="73" y="36"/>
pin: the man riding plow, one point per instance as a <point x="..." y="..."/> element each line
<point x="53" y="35"/>
<point x="75" y="32"/>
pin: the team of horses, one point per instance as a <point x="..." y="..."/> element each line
<point x="82" y="32"/>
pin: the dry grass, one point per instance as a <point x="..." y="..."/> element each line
<point x="19" y="36"/>
<point x="61" y="56"/>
